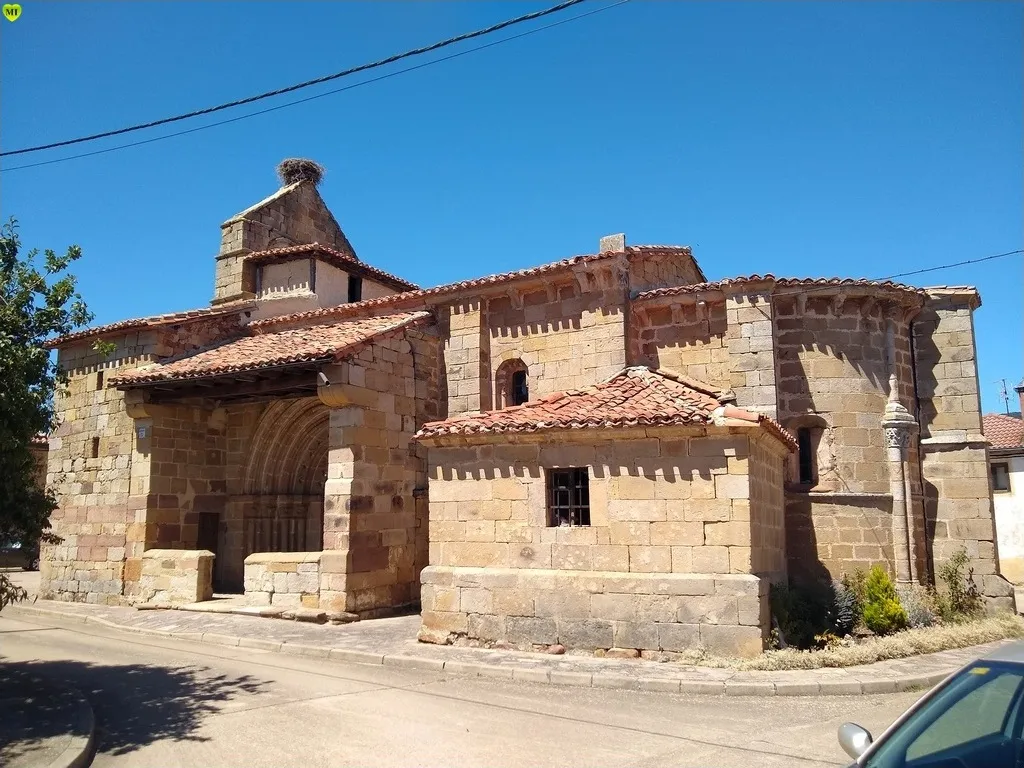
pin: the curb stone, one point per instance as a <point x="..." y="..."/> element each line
<point x="78" y="753"/>
<point x="531" y="674"/>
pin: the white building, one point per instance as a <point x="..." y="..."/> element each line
<point x="1006" y="466"/>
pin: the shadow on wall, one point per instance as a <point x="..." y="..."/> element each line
<point x="135" y="704"/>
<point x="667" y="470"/>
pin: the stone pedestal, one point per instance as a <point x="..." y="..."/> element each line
<point x="176" y="576"/>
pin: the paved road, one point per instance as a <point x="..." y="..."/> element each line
<point x="174" y="703"/>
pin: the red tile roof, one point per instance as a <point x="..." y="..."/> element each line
<point x="337" y="258"/>
<point x="313" y="344"/>
<point x="171" y="318"/>
<point x="635" y="397"/>
<point x="781" y="282"/>
<point x="479" y="282"/>
<point x="1003" y="432"/>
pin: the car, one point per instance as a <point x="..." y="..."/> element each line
<point x="15" y="554"/>
<point x="972" y="719"/>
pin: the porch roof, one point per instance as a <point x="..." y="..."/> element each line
<point x="635" y="397"/>
<point x="300" y="346"/>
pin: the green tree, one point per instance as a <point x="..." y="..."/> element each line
<point x="38" y="301"/>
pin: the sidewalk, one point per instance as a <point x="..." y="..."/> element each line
<point x="392" y="642"/>
<point x="43" y="724"/>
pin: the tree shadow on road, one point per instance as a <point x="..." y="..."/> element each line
<point x="134" y="704"/>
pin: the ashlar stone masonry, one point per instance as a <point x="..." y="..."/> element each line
<point x="604" y="451"/>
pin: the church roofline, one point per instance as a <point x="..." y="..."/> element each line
<point x="337" y="258"/>
<point x="488" y="281"/>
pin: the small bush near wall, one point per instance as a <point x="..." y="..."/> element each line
<point x="960" y="598"/>
<point x="883" y="613"/>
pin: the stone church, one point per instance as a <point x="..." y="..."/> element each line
<point x="604" y="451"/>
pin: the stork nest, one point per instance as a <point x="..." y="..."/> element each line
<point x="296" y="169"/>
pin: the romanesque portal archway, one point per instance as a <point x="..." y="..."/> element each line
<point x="284" y="478"/>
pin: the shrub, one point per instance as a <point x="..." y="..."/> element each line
<point x="802" y="612"/>
<point x="919" y="604"/>
<point x="846" y="609"/>
<point x="961" y="599"/>
<point x="883" y="613"/>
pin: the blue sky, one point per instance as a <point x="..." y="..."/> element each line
<point x="849" y="139"/>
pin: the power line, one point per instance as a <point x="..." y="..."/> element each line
<point x="957" y="264"/>
<point x="326" y="78"/>
<point x="319" y="95"/>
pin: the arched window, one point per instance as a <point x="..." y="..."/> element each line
<point x="512" y="383"/>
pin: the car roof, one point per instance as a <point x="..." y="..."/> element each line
<point x="1012" y="652"/>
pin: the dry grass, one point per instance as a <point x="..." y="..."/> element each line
<point x="901" y="645"/>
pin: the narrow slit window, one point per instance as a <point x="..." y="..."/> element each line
<point x="520" y="390"/>
<point x="568" y="497"/>
<point x="99" y="380"/>
<point x="803" y="438"/>
<point x="1001" y="477"/>
<point x="355" y="288"/>
<point x="95" y="448"/>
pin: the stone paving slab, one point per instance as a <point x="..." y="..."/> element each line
<point x="392" y="642"/>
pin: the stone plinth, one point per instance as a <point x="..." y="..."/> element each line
<point x="728" y="614"/>
<point x="283" y="579"/>
<point x="176" y="576"/>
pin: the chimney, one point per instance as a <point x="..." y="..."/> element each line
<point x="615" y="243"/>
<point x="1019" y="389"/>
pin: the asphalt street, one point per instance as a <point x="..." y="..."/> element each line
<point x="175" y="703"/>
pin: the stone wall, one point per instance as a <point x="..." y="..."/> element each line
<point x="725" y="614"/>
<point x="175" y="576"/>
<point x="283" y="579"/>
<point x="836" y="535"/>
<point x="768" y="525"/>
<point x="373" y="523"/>
<point x="177" y="474"/>
<point x="954" y="453"/>
<point x="567" y="338"/>
<point x="294" y="215"/>
<point x="661" y="267"/>
<point x="92" y="461"/>
<point x="684" y="336"/>
<point x="666" y="501"/>
<point x="677" y="503"/>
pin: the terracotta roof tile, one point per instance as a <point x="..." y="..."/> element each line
<point x="318" y="343"/>
<point x="781" y="282"/>
<point x="170" y="318"/>
<point x="1002" y="431"/>
<point x="479" y="282"/>
<point x="635" y="397"/>
<point x="336" y="257"/>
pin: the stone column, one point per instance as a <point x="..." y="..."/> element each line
<point x="898" y="425"/>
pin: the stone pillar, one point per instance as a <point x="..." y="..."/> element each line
<point x="750" y="336"/>
<point x="899" y="425"/>
<point x="465" y="359"/>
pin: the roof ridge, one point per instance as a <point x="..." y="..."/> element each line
<point x="497" y="278"/>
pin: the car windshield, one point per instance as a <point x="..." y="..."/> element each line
<point x="973" y="722"/>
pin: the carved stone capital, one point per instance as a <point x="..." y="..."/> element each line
<point x="897" y="437"/>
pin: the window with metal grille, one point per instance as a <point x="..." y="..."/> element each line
<point x="568" y="497"/>
<point x="355" y="288"/>
<point x="520" y="391"/>
<point x="803" y="438"/>
<point x="1000" y="477"/>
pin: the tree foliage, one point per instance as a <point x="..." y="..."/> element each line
<point x="38" y="300"/>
